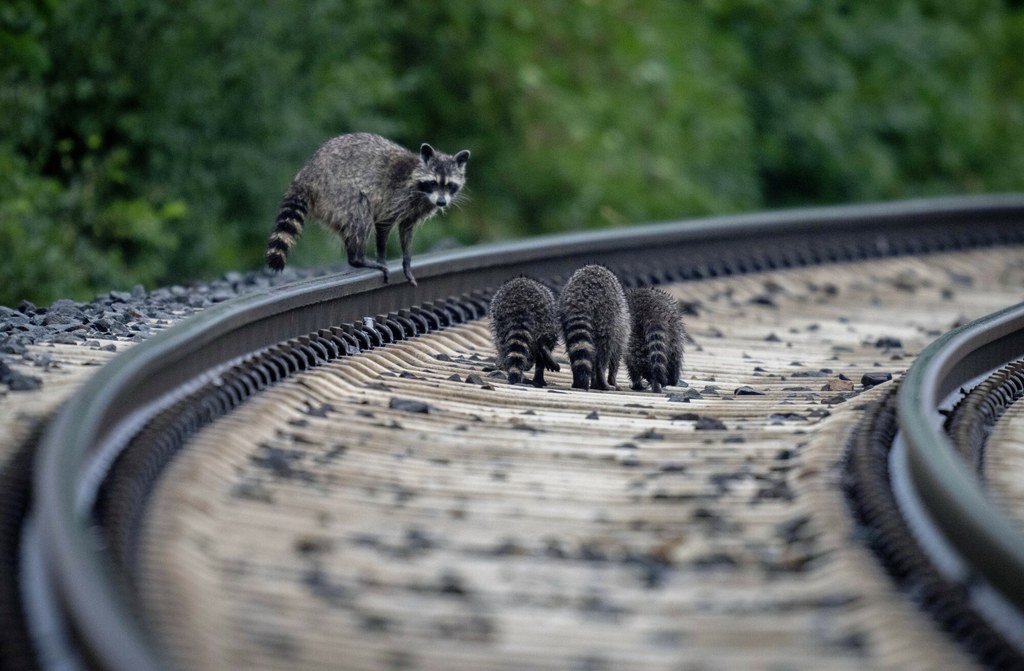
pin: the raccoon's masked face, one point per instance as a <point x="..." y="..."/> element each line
<point x="440" y="177"/>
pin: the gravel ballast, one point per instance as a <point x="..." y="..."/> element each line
<point x="113" y="318"/>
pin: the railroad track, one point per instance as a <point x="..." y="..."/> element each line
<point x="333" y="473"/>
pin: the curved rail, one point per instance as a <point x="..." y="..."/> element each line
<point x="95" y="425"/>
<point x="952" y="495"/>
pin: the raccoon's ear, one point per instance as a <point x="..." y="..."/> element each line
<point x="461" y="158"/>
<point x="426" y="153"/>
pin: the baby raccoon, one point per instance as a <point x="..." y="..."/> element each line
<point x="595" y="324"/>
<point x="355" y="183"/>
<point x="655" y="349"/>
<point x="525" y="328"/>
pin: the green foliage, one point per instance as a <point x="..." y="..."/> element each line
<point x="150" y="142"/>
<point x="872" y="100"/>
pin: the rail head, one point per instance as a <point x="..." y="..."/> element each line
<point x="78" y="444"/>
<point x="952" y="495"/>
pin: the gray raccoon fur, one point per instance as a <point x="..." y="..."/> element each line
<point x="525" y="328"/>
<point x="655" y="351"/>
<point x="595" y="325"/>
<point x="361" y="182"/>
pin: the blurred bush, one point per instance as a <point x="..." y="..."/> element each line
<point x="150" y="142"/>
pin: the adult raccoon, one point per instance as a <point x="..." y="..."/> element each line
<point x="361" y="182"/>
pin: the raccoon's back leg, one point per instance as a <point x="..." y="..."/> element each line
<point x="354" y="224"/>
<point x="547" y="360"/>
<point x="382" y="230"/>
<point x="606" y="364"/>
<point x="601" y="368"/>
<point x="613" y="370"/>
<point x="538" y="372"/>
<point x="604" y="377"/>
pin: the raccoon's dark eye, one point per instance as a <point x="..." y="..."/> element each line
<point x="452" y="188"/>
<point x="427" y="185"/>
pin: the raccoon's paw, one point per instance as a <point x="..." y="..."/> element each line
<point x="407" y="271"/>
<point x="548" y="361"/>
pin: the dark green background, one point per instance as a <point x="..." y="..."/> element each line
<point x="150" y="142"/>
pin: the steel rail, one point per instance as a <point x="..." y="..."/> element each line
<point x="951" y="493"/>
<point x="86" y="435"/>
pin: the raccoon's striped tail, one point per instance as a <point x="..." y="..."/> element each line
<point x="517" y="354"/>
<point x="287" y="228"/>
<point x="656" y="353"/>
<point x="579" y="344"/>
